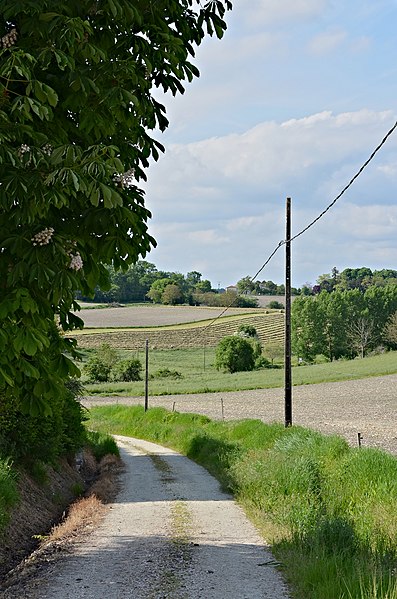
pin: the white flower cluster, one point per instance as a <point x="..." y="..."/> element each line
<point x="9" y="39"/>
<point x="44" y="237"/>
<point x="76" y="263"/>
<point x="125" y="180"/>
<point x="47" y="149"/>
<point x="23" y="149"/>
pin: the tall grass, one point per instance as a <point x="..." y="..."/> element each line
<point x="8" y="491"/>
<point x="200" y="376"/>
<point x="328" y="510"/>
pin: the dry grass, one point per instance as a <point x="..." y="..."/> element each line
<point x="83" y="515"/>
<point x="87" y="512"/>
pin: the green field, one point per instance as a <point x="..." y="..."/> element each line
<point x="198" y="374"/>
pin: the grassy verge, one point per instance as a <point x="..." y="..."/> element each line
<point x="198" y="374"/>
<point x="101" y="444"/>
<point x="8" y="491"/>
<point x="328" y="510"/>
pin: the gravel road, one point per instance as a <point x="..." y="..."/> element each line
<point x="365" y="406"/>
<point x="171" y="534"/>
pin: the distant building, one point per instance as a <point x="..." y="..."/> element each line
<point x="232" y="289"/>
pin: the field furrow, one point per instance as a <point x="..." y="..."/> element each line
<point x="270" y="327"/>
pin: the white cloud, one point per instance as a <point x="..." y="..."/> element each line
<point x="264" y="12"/>
<point x="375" y="222"/>
<point x="390" y="169"/>
<point x="361" y="44"/>
<point x="271" y="154"/>
<point x="207" y="237"/>
<point x="327" y="41"/>
<point x="219" y="203"/>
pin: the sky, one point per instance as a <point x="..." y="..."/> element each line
<point x="291" y="102"/>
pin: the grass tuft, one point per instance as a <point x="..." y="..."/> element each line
<point x="8" y="491"/>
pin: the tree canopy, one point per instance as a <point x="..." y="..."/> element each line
<point x="76" y="111"/>
<point x="342" y="323"/>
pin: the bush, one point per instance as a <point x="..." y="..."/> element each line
<point x="234" y="354"/>
<point x="247" y="330"/>
<point x="275" y="305"/>
<point x="28" y="438"/>
<point x="99" y="366"/>
<point x="262" y="362"/>
<point x="127" y="370"/>
<point x="96" y="370"/>
<point x="166" y="373"/>
<point x="101" y="444"/>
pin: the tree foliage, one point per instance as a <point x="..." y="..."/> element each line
<point x="105" y="365"/>
<point x="342" y="323"/>
<point x="234" y="354"/>
<point x="76" y="111"/>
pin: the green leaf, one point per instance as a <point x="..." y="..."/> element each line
<point x="52" y="96"/>
<point x="48" y="16"/>
<point x="5" y="377"/>
<point x="75" y="180"/>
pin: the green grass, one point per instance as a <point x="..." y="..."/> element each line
<point x="328" y="510"/>
<point x="101" y="444"/>
<point x="200" y="376"/>
<point x="8" y="491"/>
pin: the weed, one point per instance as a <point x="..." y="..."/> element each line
<point x="77" y="489"/>
<point x="8" y="491"/>
<point x="101" y="444"/>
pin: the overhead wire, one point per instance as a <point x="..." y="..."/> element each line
<point x="312" y="223"/>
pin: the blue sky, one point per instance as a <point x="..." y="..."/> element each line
<point x="291" y="102"/>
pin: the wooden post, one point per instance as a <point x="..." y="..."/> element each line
<point x="147" y="375"/>
<point x="287" y="364"/>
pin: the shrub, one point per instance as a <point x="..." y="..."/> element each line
<point x="275" y="305"/>
<point x="101" y="444"/>
<point x="262" y="362"/>
<point x="99" y="366"/>
<point x="247" y="330"/>
<point x="127" y="370"/>
<point x="96" y="370"/>
<point x="28" y="438"/>
<point x="166" y="373"/>
<point x="234" y="354"/>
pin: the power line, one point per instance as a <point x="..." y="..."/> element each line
<point x="314" y="221"/>
<point x="348" y="185"/>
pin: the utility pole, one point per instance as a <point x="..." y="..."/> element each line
<point x="287" y="362"/>
<point x="147" y="375"/>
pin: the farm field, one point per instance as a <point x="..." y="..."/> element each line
<point x="204" y="333"/>
<point x="198" y="374"/>
<point x="153" y="315"/>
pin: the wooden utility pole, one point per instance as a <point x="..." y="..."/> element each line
<point x="147" y="375"/>
<point x="287" y="363"/>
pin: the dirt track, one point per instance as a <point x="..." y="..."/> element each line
<point x="171" y="533"/>
<point x="366" y="406"/>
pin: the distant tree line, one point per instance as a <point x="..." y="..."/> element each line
<point x="144" y="282"/>
<point x="349" y="278"/>
<point x="344" y="323"/>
